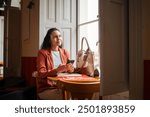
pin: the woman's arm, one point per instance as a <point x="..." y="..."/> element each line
<point x="43" y="67"/>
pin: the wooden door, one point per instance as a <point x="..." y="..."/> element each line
<point x="114" y="46"/>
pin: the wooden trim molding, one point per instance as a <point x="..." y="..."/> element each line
<point x="135" y="50"/>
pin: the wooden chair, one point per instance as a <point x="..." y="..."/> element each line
<point x="35" y="75"/>
<point x="81" y="91"/>
<point x="46" y="93"/>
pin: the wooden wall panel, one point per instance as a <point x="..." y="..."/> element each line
<point x="12" y="42"/>
<point x="146" y="79"/>
<point x="28" y="66"/>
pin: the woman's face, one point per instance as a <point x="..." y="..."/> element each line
<point x="56" y="38"/>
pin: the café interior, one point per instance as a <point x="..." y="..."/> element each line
<point x="117" y="32"/>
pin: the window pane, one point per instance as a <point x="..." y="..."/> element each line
<point x="1" y="43"/>
<point x="90" y="31"/>
<point x="88" y="10"/>
<point x="1" y="37"/>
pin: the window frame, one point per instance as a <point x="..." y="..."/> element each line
<point x="78" y="25"/>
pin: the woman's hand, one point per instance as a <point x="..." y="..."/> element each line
<point x="61" y="68"/>
<point x="65" y="68"/>
<point x="70" y="68"/>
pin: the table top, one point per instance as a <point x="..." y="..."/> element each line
<point x="74" y="85"/>
<point x="75" y="79"/>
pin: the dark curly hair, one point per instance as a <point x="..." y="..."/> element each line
<point x="47" y="43"/>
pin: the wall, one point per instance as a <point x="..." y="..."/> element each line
<point x="30" y="29"/>
<point x="30" y="39"/>
<point x="12" y="60"/>
<point x="146" y="29"/>
<point x="146" y="46"/>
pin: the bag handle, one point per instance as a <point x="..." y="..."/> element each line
<point x="84" y="38"/>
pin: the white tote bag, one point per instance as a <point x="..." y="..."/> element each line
<point x="85" y="60"/>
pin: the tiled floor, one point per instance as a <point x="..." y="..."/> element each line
<point x="118" y="96"/>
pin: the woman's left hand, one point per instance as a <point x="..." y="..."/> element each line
<point x="70" y="68"/>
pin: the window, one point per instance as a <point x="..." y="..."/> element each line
<point x="1" y="42"/>
<point x="88" y="25"/>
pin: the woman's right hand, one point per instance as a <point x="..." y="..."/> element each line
<point x="61" y="68"/>
<point x="65" y="68"/>
<point x="70" y="68"/>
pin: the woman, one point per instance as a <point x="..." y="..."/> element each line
<point x="52" y="59"/>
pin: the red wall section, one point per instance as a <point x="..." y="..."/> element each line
<point x="146" y="79"/>
<point x="28" y="66"/>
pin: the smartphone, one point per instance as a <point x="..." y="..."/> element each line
<point x="70" y="61"/>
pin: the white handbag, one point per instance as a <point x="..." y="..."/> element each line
<point x="85" y="60"/>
